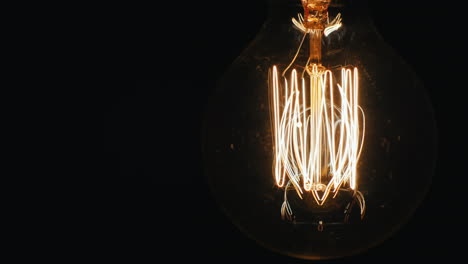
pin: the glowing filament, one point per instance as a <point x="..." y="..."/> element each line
<point x="318" y="131"/>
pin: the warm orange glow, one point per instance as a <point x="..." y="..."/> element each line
<point x="317" y="122"/>
<point x="318" y="131"/>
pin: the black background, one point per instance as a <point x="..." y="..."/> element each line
<point x="174" y="51"/>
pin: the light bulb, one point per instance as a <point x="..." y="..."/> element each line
<point x="319" y="141"/>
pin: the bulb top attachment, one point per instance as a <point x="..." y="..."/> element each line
<point x="315" y="13"/>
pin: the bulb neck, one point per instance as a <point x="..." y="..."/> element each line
<point x="315" y="19"/>
<point x="315" y="13"/>
<point x="285" y="9"/>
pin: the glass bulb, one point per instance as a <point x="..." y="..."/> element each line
<point x="319" y="141"/>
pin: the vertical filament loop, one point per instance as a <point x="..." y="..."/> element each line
<point x="318" y="130"/>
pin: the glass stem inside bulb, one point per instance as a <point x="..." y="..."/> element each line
<point x="316" y="17"/>
<point x="315" y="51"/>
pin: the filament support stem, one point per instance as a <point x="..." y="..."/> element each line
<point x="315" y="20"/>
<point x="315" y="50"/>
